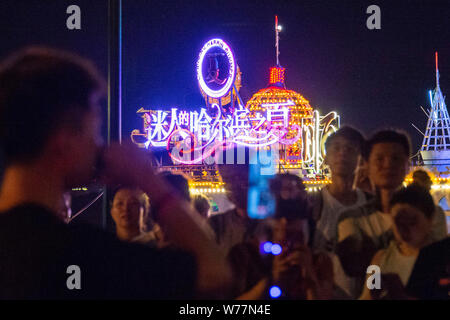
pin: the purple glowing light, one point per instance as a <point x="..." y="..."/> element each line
<point x="218" y="43"/>
<point x="267" y="247"/>
<point x="276" y="249"/>
<point x="275" y="292"/>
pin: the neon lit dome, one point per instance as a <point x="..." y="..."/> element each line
<point x="300" y="112"/>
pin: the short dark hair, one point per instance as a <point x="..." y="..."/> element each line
<point x="291" y="209"/>
<point x="201" y="203"/>
<point x="419" y="173"/>
<point x="348" y="133"/>
<point x="40" y="89"/>
<point x="116" y="190"/>
<point x="178" y="182"/>
<point x="387" y="136"/>
<point x="415" y="196"/>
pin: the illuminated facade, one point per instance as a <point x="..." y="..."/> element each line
<point x="273" y="117"/>
<point x="306" y="130"/>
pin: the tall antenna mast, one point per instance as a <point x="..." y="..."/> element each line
<point x="277" y="38"/>
<point x="437" y="71"/>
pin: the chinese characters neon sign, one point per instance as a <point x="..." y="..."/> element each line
<point x="201" y="133"/>
<point x="193" y="136"/>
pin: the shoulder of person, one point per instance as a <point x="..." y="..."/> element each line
<point x="430" y="268"/>
<point x="138" y="271"/>
<point x="436" y="247"/>
<point x="98" y="244"/>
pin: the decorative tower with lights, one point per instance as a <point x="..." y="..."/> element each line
<point x="305" y="154"/>
<point x="300" y="112"/>
<point x="435" y="149"/>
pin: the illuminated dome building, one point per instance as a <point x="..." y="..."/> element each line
<point x="300" y="114"/>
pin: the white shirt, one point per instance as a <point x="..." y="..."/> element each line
<point x="325" y="238"/>
<point x="391" y="260"/>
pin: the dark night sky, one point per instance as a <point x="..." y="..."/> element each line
<point x="372" y="78"/>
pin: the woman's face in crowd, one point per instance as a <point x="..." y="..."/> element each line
<point x="411" y="226"/>
<point x="127" y="207"/>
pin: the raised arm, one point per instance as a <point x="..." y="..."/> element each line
<point x="184" y="227"/>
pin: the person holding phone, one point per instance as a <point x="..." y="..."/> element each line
<point x="293" y="268"/>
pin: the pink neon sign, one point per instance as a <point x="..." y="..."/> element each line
<point x="201" y="129"/>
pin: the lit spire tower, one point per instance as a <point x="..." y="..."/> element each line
<point x="277" y="39"/>
<point x="435" y="149"/>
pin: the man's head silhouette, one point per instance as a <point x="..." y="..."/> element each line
<point x="49" y="112"/>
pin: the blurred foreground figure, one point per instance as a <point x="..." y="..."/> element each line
<point x="50" y="138"/>
<point x="430" y="278"/>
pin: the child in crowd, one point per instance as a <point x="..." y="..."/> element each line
<point x="412" y="212"/>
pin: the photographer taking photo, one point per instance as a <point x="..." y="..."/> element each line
<point x="278" y="256"/>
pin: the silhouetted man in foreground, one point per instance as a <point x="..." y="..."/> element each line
<point x="49" y="135"/>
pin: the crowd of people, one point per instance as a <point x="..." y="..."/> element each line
<point x="166" y="243"/>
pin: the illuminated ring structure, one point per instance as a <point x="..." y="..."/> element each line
<point x="216" y="43"/>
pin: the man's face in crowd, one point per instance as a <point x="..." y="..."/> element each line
<point x="342" y="157"/>
<point x="388" y="165"/>
<point x="410" y="225"/>
<point x="127" y="208"/>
